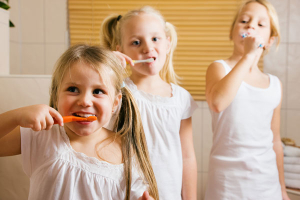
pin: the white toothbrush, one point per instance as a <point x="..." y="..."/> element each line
<point x="149" y="60"/>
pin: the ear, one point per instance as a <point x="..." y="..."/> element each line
<point x="118" y="48"/>
<point x="271" y="41"/>
<point x="117" y="101"/>
<point x="168" y="44"/>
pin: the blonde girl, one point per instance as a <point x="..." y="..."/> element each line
<point x="246" y="160"/>
<point x="82" y="160"/>
<point x="165" y="107"/>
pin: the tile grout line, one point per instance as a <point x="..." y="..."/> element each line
<point x="287" y="65"/>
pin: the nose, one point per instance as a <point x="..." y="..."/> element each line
<point x="147" y="47"/>
<point x="251" y="25"/>
<point x="85" y="100"/>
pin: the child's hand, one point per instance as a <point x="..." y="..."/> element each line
<point x="146" y="196"/>
<point x="285" y="195"/>
<point x="253" y="44"/>
<point x="124" y="58"/>
<point x="38" y="117"/>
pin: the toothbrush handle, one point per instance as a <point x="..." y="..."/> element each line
<point x="68" y="119"/>
<point x="71" y="119"/>
<point x="138" y="61"/>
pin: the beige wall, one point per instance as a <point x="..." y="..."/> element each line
<point x="40" y="37"/>
<point x="18" y="91"/>
<point x="286" y="65"/>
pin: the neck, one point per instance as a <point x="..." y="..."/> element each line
<point x="73" y="137"/>
<point x="102" y="144"/>
<point x="149" y="81"/>
<point x="153" y="85"/>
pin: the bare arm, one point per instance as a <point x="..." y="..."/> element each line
<point x="37" y="117"/>
<point x="189" y="177"/>
<point x="220" y="88"/>
<point x="277" y="146"/>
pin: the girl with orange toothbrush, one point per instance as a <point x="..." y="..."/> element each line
<point x="81" y="159"/>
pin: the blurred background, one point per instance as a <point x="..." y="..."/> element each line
<point x="44" y="29"/>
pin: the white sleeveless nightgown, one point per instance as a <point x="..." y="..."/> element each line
<point x="242" y="161"/>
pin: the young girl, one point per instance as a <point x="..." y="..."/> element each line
<point x="82" y="160"/>
<point x="166" y="108"/>
<point x="246" y="160"/>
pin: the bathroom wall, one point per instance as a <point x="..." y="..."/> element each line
<point x="17" y="91"/>
<point x="285" y="63"/>
<point x="40" y="37"/>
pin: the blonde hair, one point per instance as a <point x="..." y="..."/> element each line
<point x="272" y="14"/>
<point x="128" y="124"/>
<point x="111" y="31"/>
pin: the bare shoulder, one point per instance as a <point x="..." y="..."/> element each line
<point x="215" y="71"/>
<point x="215" y="68"/>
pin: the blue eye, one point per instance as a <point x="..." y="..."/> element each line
<point x="98" y="91"/>
<point x="72" y="89"/>
<point x="136" y="43"/>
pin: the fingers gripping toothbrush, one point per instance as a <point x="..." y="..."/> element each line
<point x="244" y="35"/>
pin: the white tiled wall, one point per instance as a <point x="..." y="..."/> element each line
<point x="202" y="141"/>
<point x="40" y="36"/>
<point x="18" y="91"/>
<point x="285" y="63"/>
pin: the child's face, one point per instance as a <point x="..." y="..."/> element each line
<point x="143" y="37"/>
<point x="83" y="93"/>
<point x="253" y="19"/>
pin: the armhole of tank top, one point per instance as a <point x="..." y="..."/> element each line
<point x="275" y="83"/>
<point x="225" y="65"/>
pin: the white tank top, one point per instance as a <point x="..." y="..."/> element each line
<point x="242" y="161"/>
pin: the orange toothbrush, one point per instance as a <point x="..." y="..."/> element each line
<point x="78" y="119"/>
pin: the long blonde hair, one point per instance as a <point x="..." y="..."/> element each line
<point x="111" y="31"/>
<point x="128" y="124"/>
<point x="275" y="31"/>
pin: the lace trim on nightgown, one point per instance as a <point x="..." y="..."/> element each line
<point x="151" y="97"/>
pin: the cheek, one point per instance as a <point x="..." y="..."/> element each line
<point x="63" y="105"/>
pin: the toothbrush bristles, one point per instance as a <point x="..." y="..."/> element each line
<point x="91" y="118"/>
<point x="149" y="60"/>
<point x="243" y="35"/>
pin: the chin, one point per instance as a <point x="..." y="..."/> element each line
<point x="83" y="134"/>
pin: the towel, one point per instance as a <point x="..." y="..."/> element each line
<point x="292" y="176"/>
<point x="291" y="160"/>
<point x="291" y="151"/>
<point x="292" y="168"/>
<point x="283" y="145"/>
<point x="292" y="183"/>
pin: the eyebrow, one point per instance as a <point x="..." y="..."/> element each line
<point x="78" y="84"/>
<point x="248" y="15"/>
